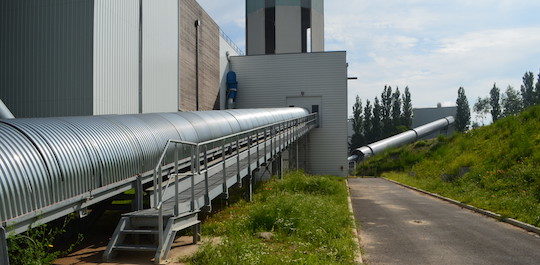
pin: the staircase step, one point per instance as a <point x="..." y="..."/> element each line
<point x="140" y="232"/>
<point x="136" y="247"/>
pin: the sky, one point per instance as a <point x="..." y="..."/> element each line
<point x="431" y="46"/>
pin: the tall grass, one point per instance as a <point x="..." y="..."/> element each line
<point x="496" y="167"/>
<point x="308" y="216"/>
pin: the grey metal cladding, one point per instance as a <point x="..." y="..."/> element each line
<point x="47" y="57"/>
<point x="44" y="161"/>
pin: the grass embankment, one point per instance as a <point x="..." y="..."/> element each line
<point x="496" y="167"/>
<point x="307" y="215"/>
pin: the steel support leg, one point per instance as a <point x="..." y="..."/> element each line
<point x="249" y="191"/>
<point x="4" y="257"/>
<point x="139" y="193"/>
<point x="196" y="233"/>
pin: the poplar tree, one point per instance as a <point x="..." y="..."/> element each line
<point x="495" y="102"/>
<point x="357" y="139"/>
<point x="386" y="111"/>
<point x="396" y="110"/>
<point x="376" y="121"/>
<point x="407" y="108"/>
<point x="463" y="115"/>
<point x="368" y="118"/>
<point x="537" y="90"/>
<point x="527" y="90"/>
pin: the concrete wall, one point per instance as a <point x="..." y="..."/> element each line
<point x="422" y="116"/>
<point x="288" y="29"/>
<point x="317" y="26"/>
<point x="255" y="31"/>
<point x="302" y="79"/>
<point x="209" y="69"/>
<point x="46" y="57"/>
<point x="116" y="57"/>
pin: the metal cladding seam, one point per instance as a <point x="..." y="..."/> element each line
<point x="44" y="161"/>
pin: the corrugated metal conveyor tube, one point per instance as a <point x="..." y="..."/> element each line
<point x="400" y="139"/>
<point x="45" y="161"/>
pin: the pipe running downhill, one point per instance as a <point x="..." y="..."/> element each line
<point x="400" y="139"/>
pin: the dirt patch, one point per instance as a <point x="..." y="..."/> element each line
<point x="92" y="255"/>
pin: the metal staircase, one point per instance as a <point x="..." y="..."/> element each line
<point x="179" y="193"/>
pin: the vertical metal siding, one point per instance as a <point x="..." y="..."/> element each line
<point x="46" y="57"/>
<point x="160" y="56"/>
<point x="116" y="57"/>
<point x="316" y="74"/>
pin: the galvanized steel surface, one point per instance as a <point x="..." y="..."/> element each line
<point x="5" y="113"/>
<point x="44" y="161"/>
<point x="401" y="139"/>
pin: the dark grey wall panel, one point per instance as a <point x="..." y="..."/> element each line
<point x="46" y="51"/>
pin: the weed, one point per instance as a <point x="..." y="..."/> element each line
<point x="37" y="245"/>
<point x="308" y="215"/>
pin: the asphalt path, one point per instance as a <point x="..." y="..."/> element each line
<point x="401" y="226"/>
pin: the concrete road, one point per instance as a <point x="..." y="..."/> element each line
<point x="401" y="226"/>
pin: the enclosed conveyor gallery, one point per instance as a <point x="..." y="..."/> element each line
<point x="47" y="164"/>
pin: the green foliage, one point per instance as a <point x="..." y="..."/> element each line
<point x="495" y="102"/>
<point x="386" y="111"/>
<point x="482" y="107"/>
<point x="37" y="245"/>
<point x="463" y="115"/>
<point x="358" y="125"/>
<point x="308" y="215"/>
<point x="397" y="119"/>
<point x="407" y="109"/>
<point x="512" y="102"/>
<point x="376" y="122"/>
<point x="496" y="167"/>
<point x="527" y="90"/>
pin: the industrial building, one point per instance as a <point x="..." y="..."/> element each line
<point x="173" y="109"/>
<point x="95" y="57"/>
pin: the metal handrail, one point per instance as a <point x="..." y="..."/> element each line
<point x="159" y="191"/>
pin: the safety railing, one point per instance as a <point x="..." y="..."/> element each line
<point x="280" y="134"/>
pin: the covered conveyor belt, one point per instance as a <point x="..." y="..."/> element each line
<point x="50" y="167"/>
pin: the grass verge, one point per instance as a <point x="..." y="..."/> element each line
<point x="308" y="217"/>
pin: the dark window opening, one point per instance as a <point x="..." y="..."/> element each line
<point x="315" y="109"/>
<point x="270" y="26"/>
<point x="306" y="24"/>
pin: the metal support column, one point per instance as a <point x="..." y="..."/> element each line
<point x="139" y="193"/>
<point x="4" y="257"/>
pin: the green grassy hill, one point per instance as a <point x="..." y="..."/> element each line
<point x="496" y="167"/>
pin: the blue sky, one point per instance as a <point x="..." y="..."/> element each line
<point x="432" y="46"/>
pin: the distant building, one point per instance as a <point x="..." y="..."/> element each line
<point x="422" y="116"/>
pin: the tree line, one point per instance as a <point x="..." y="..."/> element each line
<point x="383" y="118"/>
<point x="497" y="104"/>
